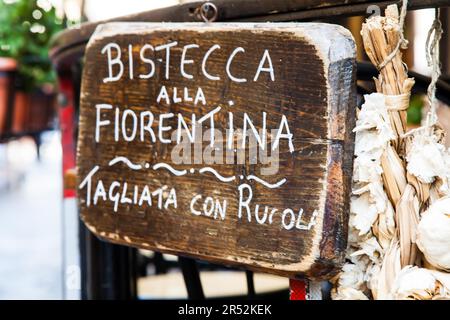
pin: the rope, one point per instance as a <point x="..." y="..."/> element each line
<point x="432" y="54"/>
<point x="397" y="102"/>
<point x="402" y="42"/>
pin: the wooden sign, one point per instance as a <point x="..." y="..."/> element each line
<point x="229" y="143"/>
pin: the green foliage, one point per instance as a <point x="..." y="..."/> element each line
<point x="414" y="112"/>
<point x="26" y="27"/>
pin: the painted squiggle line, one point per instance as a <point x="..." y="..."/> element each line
<point x="218" y="176"/>
<point x="203" y="170"/>
<point x="265" y="183"/>
<point x="126" y="161"/>
<point x="171" y="169"/>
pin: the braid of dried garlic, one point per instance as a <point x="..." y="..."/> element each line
<point x="396" y="178"/>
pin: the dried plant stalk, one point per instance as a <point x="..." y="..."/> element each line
<point x="406" y="193"/>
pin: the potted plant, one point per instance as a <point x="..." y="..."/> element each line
<point x="8" y="67"/>
<point x="25" y="31"/>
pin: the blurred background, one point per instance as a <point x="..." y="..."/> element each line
<point x="39" y="235"/>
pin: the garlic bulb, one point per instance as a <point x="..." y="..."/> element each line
<point x="414" y="283"/>
<point x="433" y="234"/>
<point x="428" y="159"/>
<point x="443" y="285"/>
<point x="420" y="284"/>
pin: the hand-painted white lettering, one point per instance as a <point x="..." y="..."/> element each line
<point x="147" y="60"/>
<point x="100" y="192"/>
<point x="210" y="115"/>
<point x="148" y="126"/>
<point x="245" y="203"/>
<point x="184" y="61"/>
<point x="166" y="47"/>
<point x="114" y="197"/>
<point x="288" y="214"/>
<point x="261" y="139"/>
<point x="230" y="60"/>
<point x="211" y="207"/>
<point x="287" y="135"/>
<point x="205" y="59"/>
<point x="125" y="128"/>
<point x="193" y="201"/>
<point x="266" y="56"/>
<point x="124" y="198"/>
<point x="162" y="54"/>
<point x="130" y="61"/>
<point x="87" y="181"/>
<point x="264" y="217"/>
<point x="98" y="122"/>
<point x="182" y="124"/>
<point x="116" y="61"/>
<point x="162" y="128"/>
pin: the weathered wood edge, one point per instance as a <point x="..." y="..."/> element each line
<point x="339" y="155"/>
<point x="342" y="110"/>
<point x="340" y="168"/>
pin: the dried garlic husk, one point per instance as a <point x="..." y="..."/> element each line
<point x="352" y="276"/>
<point x="388" y="272"/>
<point x="346" y="293"/>
<point x="407" y="218"/>
<point x="372" y="277"/>
<point x="367" y="167"/>
<point x="371" y="248"/>
<point x="354" y="236"/>
<point x="373" y="129"/>
<point x="385" y="226"/>
<point x="365" y="213"/>
<point x="433" y="234"/>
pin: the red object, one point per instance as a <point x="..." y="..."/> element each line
<point x="66" y="120"/>
<point x="298" y="289"/>
<point x="7" y="64"/>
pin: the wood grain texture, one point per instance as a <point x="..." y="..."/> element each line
<point x="314" y="88"/>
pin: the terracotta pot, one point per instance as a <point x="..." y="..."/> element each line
<point x="20" y="115"/>
<point x="22" y="112"/>
<point x="8" y="68"/>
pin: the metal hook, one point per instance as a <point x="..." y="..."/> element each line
<point x="205" y="11"/>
